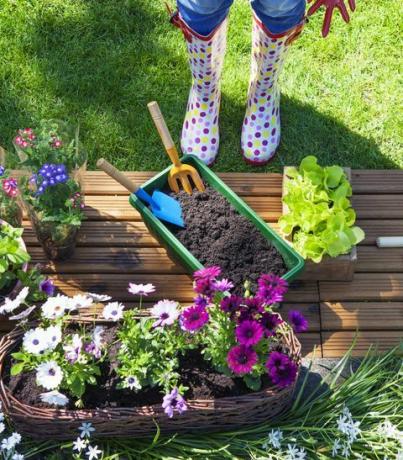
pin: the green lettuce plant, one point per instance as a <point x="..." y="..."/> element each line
<point x="320" y="218"/>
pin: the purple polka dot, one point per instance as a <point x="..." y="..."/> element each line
<point x="258" y="134"/>
<point x="193" y="120"/>
<point x="249" y="144"/>
<point x="265" y="142"/>
<point x="202" y="114"/>
<point x="246" y="121"/>
<point x="253" y="117"/>
<point x="197" y="140"/>
<point x="204" y="148"/>
<point x="266" y="125"/>
<point x="205" y="131"/>
<point x="273" y="132"/>
<point x="186" y="124"/>
<point x="261" y="109"/>
<point x="257" y="152"/>
<point x="190" y="149"/>
<point x="214" y="140"/>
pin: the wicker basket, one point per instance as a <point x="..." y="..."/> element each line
<point x="219" y="414"/>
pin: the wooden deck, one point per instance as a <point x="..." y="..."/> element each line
<point x="115" y="248"/>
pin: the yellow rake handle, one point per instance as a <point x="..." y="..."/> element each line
<point x="166" y="137"/>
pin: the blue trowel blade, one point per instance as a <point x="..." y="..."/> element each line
<point x="167" y="208"/>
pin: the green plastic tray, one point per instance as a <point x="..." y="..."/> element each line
<point x="293" y="261"/>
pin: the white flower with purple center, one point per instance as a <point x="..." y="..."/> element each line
<point x="54" y="336"/>
<point x="174" y="402"/>
<point x="113" y="311"/>
<point x="73" y="350"/>
<point x="49" y="375"/>
<point x="35" y="341"/>
<point x="79" y="301"/>
<point x="55" y="307"/>
<point x="54" y="398"/>
<point x="132" y="383"/>
<point x="166" y="312"/>
<point x="141" y="289"/>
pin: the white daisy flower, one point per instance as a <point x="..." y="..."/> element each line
<point x="97" y="336"/>
<point x="274" y="439"/>
<point x="86" y="429"/>
<point x="113" y="311"/>
<point x="54" y="334"/>
<point x="79" y="301"/>
<point x="141" y="289"/>
<point x="99" y="297"/>
<point x="54" y="398"/>
<point x="93" y="453"/>
<point x="12" y="304"/>
<point x="166" y="312"/>
<point x="49" y="375"/>
<point x="35" y="341"/>
<point x="132" y="383"/>
<point x="10" y="442"/>
<point x="73" y="350"/>
<point x="80" y="444"/>
<point x="55" y="307"/>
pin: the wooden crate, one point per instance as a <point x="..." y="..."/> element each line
<point x="339" y="268"/>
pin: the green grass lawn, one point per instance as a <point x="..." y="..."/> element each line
<point x="99" y="62"/>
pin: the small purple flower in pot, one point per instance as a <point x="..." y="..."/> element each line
<point x="209" y="273"/>
<point x="201" y="301"/>
<point x="194" y="318"/>
<point x="271" y="288"/>
<point x="298" y="321"/>
<point x="281" y="369"/>
<point x="204" y="287"/>
<point x="231" y="304"/>
<point x="223" y="285"/>
<point x="249" y="333"/>
<point x="72" y="352"/>
<point x="10" y="187"/>
<point x="269" y="322"/>
<point x="241" y="359"/>
<point x="251" y="307"/>
<point x="47" y="287"/>
<point x="174" y="402"/>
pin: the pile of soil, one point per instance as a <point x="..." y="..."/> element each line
<point x="203" y="381"/>
<point x="216" y="234"/>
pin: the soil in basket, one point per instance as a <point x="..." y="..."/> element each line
<point x="216" y="234"/>
<point x="203" y="381"/>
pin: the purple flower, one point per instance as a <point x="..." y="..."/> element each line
<point x="92" y="349"/>
<point x="281" y="369"/>
<point x="251" y="307"/>
<point x="46" y="286"/>
<point x="231" y="304"/>
<point x="194" y="318"/>
<point x="298" y="321"/>
<point x="2" y="170"/>
<point x="201" y="301"/>
<point x="10" y="187"/>
<point x="166" y="311"/>
<point x="203" y="286"/>
<point x="207" y="273"/>
<point x="249" y="333"/>
<point x="241" y="359"/>
<point x="222" y="285"/>
<point x="269" y="322"/>
<point x="174" y="402"/>
<point x="271" y="288"/>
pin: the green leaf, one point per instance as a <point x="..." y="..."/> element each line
<point x="252" y="382"/>
<point x="17" y="368"/>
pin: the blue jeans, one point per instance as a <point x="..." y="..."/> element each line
<point x="203" y="16"/>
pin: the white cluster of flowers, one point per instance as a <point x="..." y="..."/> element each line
<point x="388" y="430"/>
<point x="8" y="445"/>
<point x="10" y="305"/>
<point x="350" y="429"/>
<point x="82" y="444"/>
<point x="292" y="451"/>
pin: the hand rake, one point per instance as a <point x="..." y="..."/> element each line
<point x="180" y="173"/>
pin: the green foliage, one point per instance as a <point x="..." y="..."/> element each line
<point x="150" y="354"/>
<point x="320" y="218"/>
<point x="12" y="256"/>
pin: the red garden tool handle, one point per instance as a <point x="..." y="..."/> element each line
<point x="330" y="6"/>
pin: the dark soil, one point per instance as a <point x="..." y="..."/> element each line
<point x="216" y="234"/>
<point x="203" y="381"/>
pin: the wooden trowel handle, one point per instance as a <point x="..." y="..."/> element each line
<point x="117" y="175"/>
<point x="164" y="133"/>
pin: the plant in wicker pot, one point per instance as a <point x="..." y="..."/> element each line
<point x="10" y="210"/>
<point x="223" y="360"/>
<point x="19" y="285"/>
<point x="52" y="193"/>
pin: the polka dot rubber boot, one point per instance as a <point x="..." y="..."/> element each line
<point x="200" y="133"/>
<point x="261" y="125"/>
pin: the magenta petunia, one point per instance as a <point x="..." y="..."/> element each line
<point x="241" y="359"/>
<point x="194" y="318"/>
<point x="298" y="321"/>
<point x="269" y="322"/>
<point x="208" y="272"/>
<point x="249" y="333"/>
<point x="10" y="187"/>
<point x="271" y="288"/>
<point x="281" y="369"/>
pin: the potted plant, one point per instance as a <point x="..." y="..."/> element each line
<point x="15" y="275"/>
<point x="10" y="210"/>
<point x="225" y="359"/>
<point x="319" y="220"/>
<point x="53" y="194"/>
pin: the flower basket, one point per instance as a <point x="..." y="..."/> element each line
<point x="16" y="288"/>
<point x="339" y="268"/>
<point x="227" y="413"/>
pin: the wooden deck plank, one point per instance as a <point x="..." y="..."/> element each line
<point x="380" y="260"/>
<point x="380" y="316"/>
<point x="378" y="206"/>
<point x="311" y="344"/>
<point x="364" y="287"/>
<point x="336" y="344"/>
<point x="381" y="227"/>
<point x="369" y="181"/>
